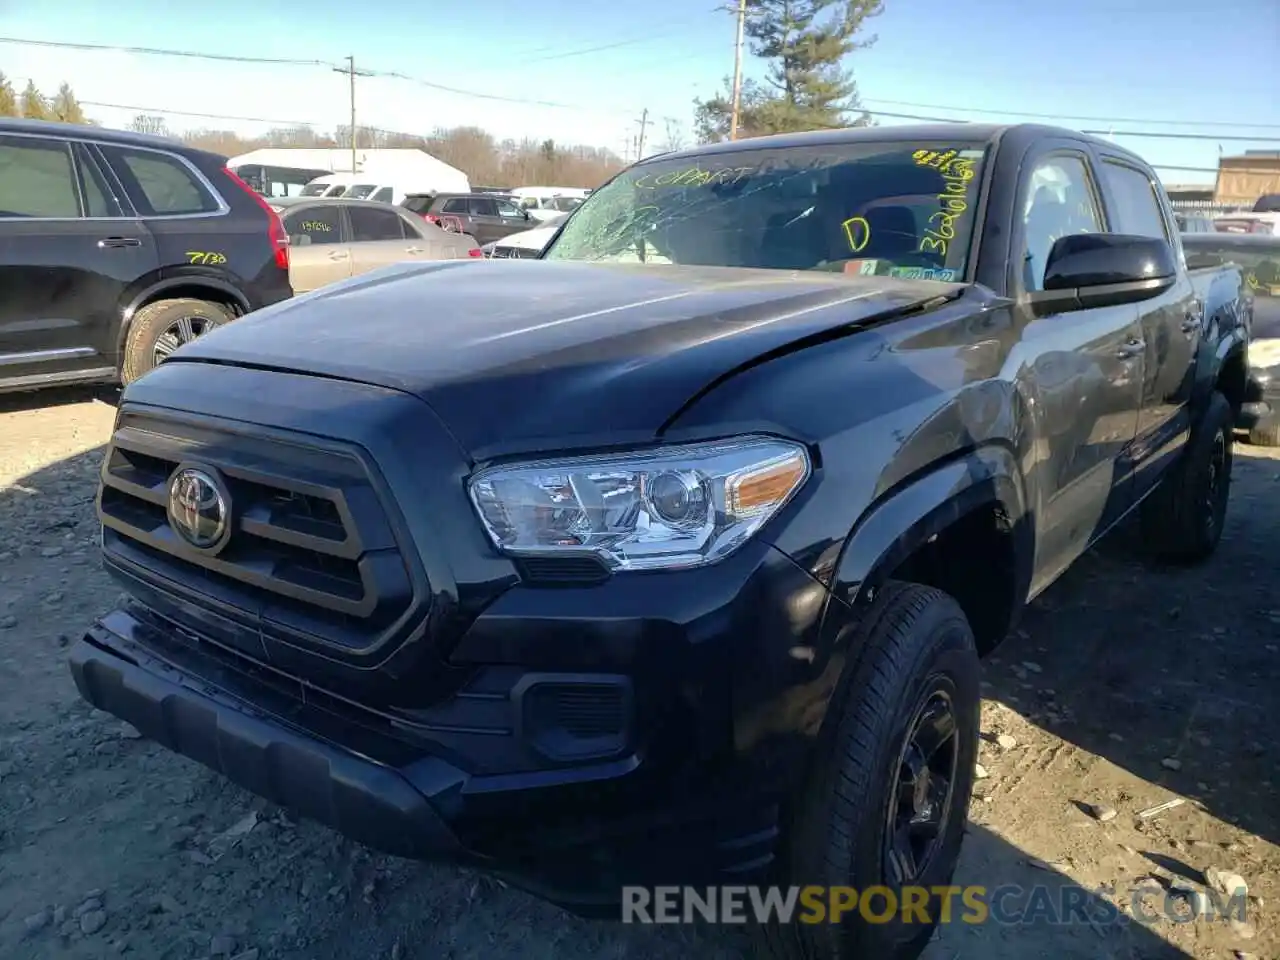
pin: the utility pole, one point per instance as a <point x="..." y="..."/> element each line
<point x="644" y="122"/>
<point x="352" y="73"/>
<point x="737" y="70"/>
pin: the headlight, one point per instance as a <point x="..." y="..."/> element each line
<point x="676" y="506"/>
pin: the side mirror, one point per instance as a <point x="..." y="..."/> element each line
<point x="1088" y="270"/>
<point x="524" y="212"/>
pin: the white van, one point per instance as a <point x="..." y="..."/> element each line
<point x="543" y="203"/>
<point x="362" y="189"/>
<point x="330" y="185"/>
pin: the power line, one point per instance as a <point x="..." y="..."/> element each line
<point x="161" y="52"/>
<point x="1070" y="116"/>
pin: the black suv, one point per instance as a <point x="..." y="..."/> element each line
<point x="116" y="248"/>
<point x="484" y="216"/>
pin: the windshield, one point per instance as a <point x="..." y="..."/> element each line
<point x="360" y="190"/>
<point x="314" y="189"/>
<point x="903" y="209"/>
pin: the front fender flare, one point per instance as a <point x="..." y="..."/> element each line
<point x="905" y="519"/>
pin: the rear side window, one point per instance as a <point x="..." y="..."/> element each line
<point x="456" y="205"/>
<point x="314" y="225"/>
<point x="417" y="204"/>
<point x="370" y="224"/>
<point x="37" y="179"/>
<point x="160" y="184"/>
<point x="1137" y="210"/>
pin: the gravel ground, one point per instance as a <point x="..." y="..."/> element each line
<point x="1124" y="688"/>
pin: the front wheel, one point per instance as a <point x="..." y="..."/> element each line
<point x="886" y="803"/>
<point x="160" y="328"/>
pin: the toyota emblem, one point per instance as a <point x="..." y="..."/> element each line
<point x="199" y="508"/>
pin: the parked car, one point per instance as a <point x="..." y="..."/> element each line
<point x="527" y="244"/>
<point x="1258" y="256"/>
<point x="484" y="216"/>
<point x="668" y="558"/>
<point x="116" y="248"/>
<point x="333" y="238"/>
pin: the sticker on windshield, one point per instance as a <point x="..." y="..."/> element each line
<point x="945" y="274"/>
<point x="865" y="268"/>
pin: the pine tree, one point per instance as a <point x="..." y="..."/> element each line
<point x="8" y="99"/>
<point x="34" y="105"/>
<point x="66" y="107"/>
<point x="805" y="43"/>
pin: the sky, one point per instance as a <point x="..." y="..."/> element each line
<point x="586" y="73"/>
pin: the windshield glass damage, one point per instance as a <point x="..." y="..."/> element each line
<point x="903" y="209"/>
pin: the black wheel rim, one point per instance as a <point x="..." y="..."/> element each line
<point x="921" y="798"/>
<point x="183" y="330"/>
<point x="1215" y="487"/>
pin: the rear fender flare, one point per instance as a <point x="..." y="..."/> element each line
<point x="155" y="291"/>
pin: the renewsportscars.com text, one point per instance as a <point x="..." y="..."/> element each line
<point x="1005" y="905"/>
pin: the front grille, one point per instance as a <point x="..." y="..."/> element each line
<point x="311" y="554"/>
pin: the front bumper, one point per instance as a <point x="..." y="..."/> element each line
<point x="682" y="802"/>
<point x="369" y="802"/>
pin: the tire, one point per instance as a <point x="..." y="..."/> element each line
<point x="913" y="647"/>
<point x="154" y="332"/>
<point x="1182" y="519"/>
<point x="1266" y="434"/>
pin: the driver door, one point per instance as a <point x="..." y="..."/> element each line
<point x="1080" y="372"/>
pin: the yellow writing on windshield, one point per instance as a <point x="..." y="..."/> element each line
<point x="858" y="232"/>
<point x="957" y="174"/>
<point x="316" y="226"/>
<point x="206" y="259"/>
<point x="694" y="177"/>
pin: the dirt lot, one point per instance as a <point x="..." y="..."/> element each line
<point x="1124" y="688"/>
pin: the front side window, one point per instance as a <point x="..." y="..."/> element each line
<point x="1137" y="210"/>
<point x="359" y="191"/>
<point x="1059" y="201"/>
<point x="895" y="208"/>
<point x="314" y="189"/>
<point x="314" y="225"/>
<point x="382" y="195"/>
<point x="508" y="209"/>
<point x="37" y="179"/>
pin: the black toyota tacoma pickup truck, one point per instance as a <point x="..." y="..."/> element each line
<point x="669" y="557"/>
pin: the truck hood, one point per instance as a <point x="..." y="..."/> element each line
<point x="516" y="355"/>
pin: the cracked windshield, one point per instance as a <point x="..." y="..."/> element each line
<point x="707" y="480"/>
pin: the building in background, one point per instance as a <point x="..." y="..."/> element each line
<point x="1243" y="179"/>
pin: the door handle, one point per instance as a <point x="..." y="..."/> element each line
<point x="338" y="255"/>
<point x="1131" y="349"/>
<point x="112" y="243"/>
<point x="413" y="250"/>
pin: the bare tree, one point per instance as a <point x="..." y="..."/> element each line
<point x="673" y="136"/>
